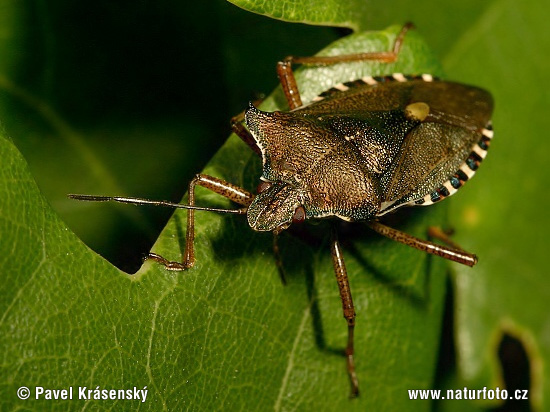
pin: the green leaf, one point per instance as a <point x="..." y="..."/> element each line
<point x="226" y="334"/>
<point x="328" y="13"/>
<point x="444" y="21"/>
<point x="503" y="215"/>
<point x="498" y="45"/>
<point x="115" y="110"/>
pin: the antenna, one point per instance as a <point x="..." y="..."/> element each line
<point x="139" y="201"/>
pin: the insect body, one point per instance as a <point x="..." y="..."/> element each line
<point x="360" y="150"/>
<point x="366" y="148"/>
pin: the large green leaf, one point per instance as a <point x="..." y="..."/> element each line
<point x="445" y="21"/>
<point x="499" y="45"/>
<point x="227" y="334"/>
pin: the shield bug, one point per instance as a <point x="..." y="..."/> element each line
<point x="358" y="151"/>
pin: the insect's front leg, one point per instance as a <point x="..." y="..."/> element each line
<point x="238" y="128"/>
<point x="288" y="81"/>
<point x="219" y="186"/>
<point x="347" y="305"/>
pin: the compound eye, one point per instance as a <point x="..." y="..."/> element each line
<point x="262" y="187"/>
<point x="299" y="215"/>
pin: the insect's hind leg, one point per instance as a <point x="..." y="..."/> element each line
<point x="444" y="236"/>
<point x="286" y="75"/>
<point x="347" y="305"/>
<point x="455" y="253"/>
<point x="219" y="186"/>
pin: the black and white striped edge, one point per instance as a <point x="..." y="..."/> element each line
<point x="465" y="172"/>
<point x="372" y="80"/>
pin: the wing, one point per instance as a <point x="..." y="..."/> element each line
<point x="439" y="155"/>
<point x="451" y="103"/>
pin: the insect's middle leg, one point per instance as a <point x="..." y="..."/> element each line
<point x="219" y="186"/>
<point x="286" y="75"/>
<point x="347" y="305"/>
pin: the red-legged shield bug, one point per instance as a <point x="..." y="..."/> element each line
<point x="358" y="151"/>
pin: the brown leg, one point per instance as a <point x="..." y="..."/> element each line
<point x="288" y="83"/>
<point x="347" y="304"/>
<point x="454" y="254"/>
<point x="221" y="187"/>
<point x="444" y="236"/>
<point x="286" y="75"/>
<point x="240" y="130"/>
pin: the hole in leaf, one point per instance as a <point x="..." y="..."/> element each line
<point x="515" y="366"/>
<point x="516" y="375"/>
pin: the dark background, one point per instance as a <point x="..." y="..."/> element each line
<point x="133" y="98"/>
